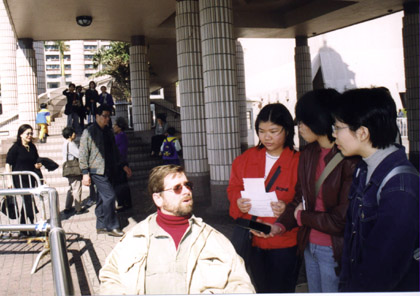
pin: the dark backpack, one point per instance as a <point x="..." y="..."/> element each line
<point x="169" y="151"/>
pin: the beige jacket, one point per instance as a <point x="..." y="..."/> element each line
<point x="213" y="265"/>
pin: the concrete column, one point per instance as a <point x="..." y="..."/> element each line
<point x="26" y="77"/>
<point x="303" y="66"/>
<point x="8" y="78"/>
<point x="411" y="63"/>
<point x="240" y="77"/>
<point x="40" y="66"/>
<point x="77" y="52"/>
<point x="140" y="90"/>
<point x="303" y="69"/>
<point x="191" y="91"/>
<point x="220" y="94"/>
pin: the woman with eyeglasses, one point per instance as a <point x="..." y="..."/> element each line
<point x="272" y="260"/>
<point x="320" y="203"/>
<point x="381" y="236"/>
<point x="23" y="156"/>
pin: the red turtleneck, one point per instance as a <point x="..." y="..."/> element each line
<point x="175" y="226"/>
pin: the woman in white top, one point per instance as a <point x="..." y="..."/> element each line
<point x="70" y="151"/>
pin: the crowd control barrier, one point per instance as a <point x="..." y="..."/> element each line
<point x="33" y="212"/>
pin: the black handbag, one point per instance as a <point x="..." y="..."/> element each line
<point x="241" y="237"/>
<point x="71" y="167"/>
<point x="9" y="207"/>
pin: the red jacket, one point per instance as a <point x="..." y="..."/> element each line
<point x="251" y="164"/>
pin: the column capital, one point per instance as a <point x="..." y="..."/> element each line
<point x="138" y="40"/>
<point x="411" y="7"/>
<point x="27" y="43"/>
<point x="301" y="41"/>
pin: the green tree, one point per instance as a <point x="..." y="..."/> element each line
<point x="115" y="61"/>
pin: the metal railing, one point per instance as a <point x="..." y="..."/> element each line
<point x="44" y="222"/>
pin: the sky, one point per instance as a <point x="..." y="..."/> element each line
<point x="372" y="50"/>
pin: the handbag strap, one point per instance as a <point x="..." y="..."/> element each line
<point x="327" y="170"/>
<point x="273" y="179"/>
<point x="67" y="154"/>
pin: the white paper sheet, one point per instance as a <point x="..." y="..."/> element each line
<point x="260" y="200"/>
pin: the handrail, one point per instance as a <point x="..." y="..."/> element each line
<point x="61" y="271"/>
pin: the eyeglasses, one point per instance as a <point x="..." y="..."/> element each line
<point x="335" y="129"/>
<point x="106" y="116"/>
<point x="177" y="189"/>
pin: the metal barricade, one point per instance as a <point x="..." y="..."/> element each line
<point x="25" y="213"/>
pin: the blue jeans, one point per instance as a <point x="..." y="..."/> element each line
<point x="274" y="270"/>
<point x="320" y="264"/>
<point x="105" y="204"/>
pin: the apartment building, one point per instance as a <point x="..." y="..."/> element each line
<point x="78" y="61"/>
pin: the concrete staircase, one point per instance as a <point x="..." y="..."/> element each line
<point x="138" y="158"/>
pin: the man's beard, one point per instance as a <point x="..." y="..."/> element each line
<point x="179" y="210"/>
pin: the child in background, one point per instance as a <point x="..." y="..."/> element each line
<point x="43" y="120"/>
<point x="170" y="148"/>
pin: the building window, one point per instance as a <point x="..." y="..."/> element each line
<point x="51" y="47"/>
<point x="88" y="57"/>
<point x="90" y="47"/>
<point x="67" y="57"/>
<point x="53" y="85"/>
<point x="68" y="76"/>
<point x="53" y="67"/>
<point x="88" y="75"/>
<point x="51" y="58"/>
<point x="67" y="67"/>
<point x="89" y="66"/>
<point x="53" y="76"/>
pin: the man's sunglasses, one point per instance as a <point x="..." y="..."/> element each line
<point x="177" y="189"/>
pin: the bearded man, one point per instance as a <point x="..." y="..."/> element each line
<point x="172" y="251"/>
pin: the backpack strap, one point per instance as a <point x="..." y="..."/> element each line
<point x="327" y="170"/>
<point x="402" y="169"/>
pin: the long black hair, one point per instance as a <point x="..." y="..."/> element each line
<point x="23" y="128"/>
<point x="277" y="114"/>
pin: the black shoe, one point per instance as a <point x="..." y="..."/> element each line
<point x="68" y="211"/>
<point x="115" y="232"/>
<point x="82" y="211"/>
<point x="90" y="203"/>
<point x="101" y="230"/>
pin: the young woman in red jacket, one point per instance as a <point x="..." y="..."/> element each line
<point x="273" y="261"/>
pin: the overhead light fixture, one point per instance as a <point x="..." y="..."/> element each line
<point x="84" y="20"/>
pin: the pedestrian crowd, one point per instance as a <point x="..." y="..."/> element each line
<point x="346" y="204"/>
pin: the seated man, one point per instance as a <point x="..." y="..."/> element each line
<point x="172" y="251"/>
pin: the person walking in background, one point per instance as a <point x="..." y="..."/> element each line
<point x="43" y="120"/>
<point x="320" y="202"/>
<point x="172" y="251"/>
<point x="23" y="156"/>
<point x="92" y="98"/>
<point x="99" y="161"/>
<point x="122" y="189"/>
<point x="381" y="236"/>
<point x="82" y="115"/>
<point x="107" y="100"/>
<point x="272" y="260"/>
<point x="70" y="152"/>
<point x="170" y="148"/>
<point x="160" y="134"/>
<point x="73" y="108"/>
